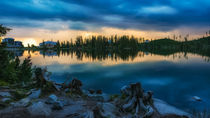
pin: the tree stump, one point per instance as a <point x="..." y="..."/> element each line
<point x="134" y="100"/>
<point x="75" y="85"/>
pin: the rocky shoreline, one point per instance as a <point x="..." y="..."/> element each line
<point x="70" y="101"/>
<point x="65" y="105"/>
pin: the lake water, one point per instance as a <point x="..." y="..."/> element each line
<point x="175" y="78"/>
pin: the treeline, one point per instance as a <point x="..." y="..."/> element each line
<point x="168" y="46"/>
<point x="131" y="43"/>
<point x="101" y="43"/>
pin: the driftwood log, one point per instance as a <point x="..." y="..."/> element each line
<point x="136" y="101"/>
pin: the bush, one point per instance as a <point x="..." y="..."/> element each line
<point x="11" y="71"/>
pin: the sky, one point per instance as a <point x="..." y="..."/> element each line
<point x="33" y="21"/>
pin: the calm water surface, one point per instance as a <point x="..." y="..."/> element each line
<point x="175" y="78"/>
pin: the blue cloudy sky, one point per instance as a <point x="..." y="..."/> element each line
<point x="45" y="19"/>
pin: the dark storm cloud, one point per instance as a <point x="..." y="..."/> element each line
<point x="78" y="26"/>
<point x="134" y="14"/>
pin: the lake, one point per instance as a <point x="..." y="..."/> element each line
<point x="174" y="78"/>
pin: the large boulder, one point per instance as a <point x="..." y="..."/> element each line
<point x="22" y="103"/>
<point x="39" y="108"/>
<point x="165" y="109"/>
<point x="51" y="99"/>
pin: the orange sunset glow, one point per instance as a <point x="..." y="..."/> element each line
<point x="37" y="36"/>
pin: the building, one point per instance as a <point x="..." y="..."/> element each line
<point x="48" y="53"/>
<point x="18" y="44"/>
<point x="48" y="44"/>
<point x="11" y="43"/>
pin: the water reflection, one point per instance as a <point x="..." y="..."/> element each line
<point x="16" y="52"/>
<point x="115" y="56"/>
<point x="175" y="78"/>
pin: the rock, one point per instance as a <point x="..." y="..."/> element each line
<point x="35" y="94"/>
<point x="196" y="98"/>
<point x="88" y="114"/>
<point x="99" y="92"/>
<point x="5" y="94"/>
<point x="164" y="109"/>
<point x="5" y="99"/>
<point x="51" y="99"/>
<point x="22" y="103"/>
<point x="74" y="110"/>
<point x="109" y="110"/>
<point x="39" y="108"/>
<point x="58" y="105"/>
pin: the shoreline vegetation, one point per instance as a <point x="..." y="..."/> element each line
<point x="121" y="43"/>
<point x="125" y="46"/>
<point x="28" y="92"/>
